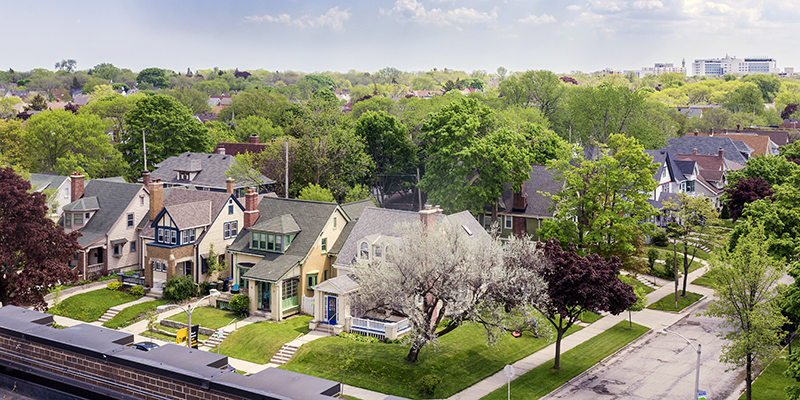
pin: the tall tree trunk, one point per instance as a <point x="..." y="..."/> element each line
<point x="630" y="320"/>
<point x="413" y="354"/>
<point x="675" y="266"/>
<point x="559" y="336"/>
<point x="685" y="266"/>
<point x="748" y="377"/>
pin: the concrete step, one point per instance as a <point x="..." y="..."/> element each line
<point x="108" y="315"/>
<point x="283" y="355"/>
<point x="214" y="341"/>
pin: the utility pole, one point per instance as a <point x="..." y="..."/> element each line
<point x="286" y="188"/>
<point x="144" y="150"/>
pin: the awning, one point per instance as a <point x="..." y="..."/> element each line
<point x="246" y="265"/>
<point x="119" y="241"/>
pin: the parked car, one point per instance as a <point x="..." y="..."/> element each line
<point x="145" y="346"/>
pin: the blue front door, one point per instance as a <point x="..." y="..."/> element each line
<point x="330" y="310"/>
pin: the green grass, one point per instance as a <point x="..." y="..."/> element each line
<point x="544" y="379"/>
<point x="589" y="317"/>
<point x="667" y="303"/>
<point x="725" y="223"/>
<point x="635" y="283"/>
<point x="90" y="306"/>
<point x="207" y="317"/>
<point x="770" y="384"/>
<point x="260" y="341"/>
<point x="461" y="359"/>
<point x="130" y="314"/>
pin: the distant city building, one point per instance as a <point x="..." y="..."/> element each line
<point x="733" y="65"/>
<point x="661" y="68"/>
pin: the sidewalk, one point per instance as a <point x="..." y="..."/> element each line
<point x="653" y="319"/>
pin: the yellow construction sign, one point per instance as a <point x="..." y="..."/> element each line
<point x="180" y="335"/>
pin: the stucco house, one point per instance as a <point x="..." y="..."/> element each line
<point x="180" y="228"/>
<point x="106" y="213"/>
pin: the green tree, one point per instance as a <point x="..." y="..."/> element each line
<point x="776" y="170"/>
<point x="745" y="285"/>
<point x="37" y="103"/>
<point x="150" y="78"/>
<point x="469" y="158"/>
<point x="692" y="215"/>
<point x="387" y="142"/>
<point x="91" y="83"/>
<point x="12" y="146"/>
<point x="541" y="89"/>
<point x="357" y="193"/>
<point x="113" y="108"/>
<point x="262" y="102"/>
<point x="214" y="265"/>
<point x="256" y="125"/>
<point x="66" y="142"/>
<point x="316" y="193"/>
<point x="66" y="65"/>
<point x="195" y="100"/>
<point x="245" y="170"/>
<point x="745" y="98"/>
<point x="169" y="129"/>
<point x="768" y="85"/>
<point x="215" y="87"/>
<point x="603" y="206"/>
<point x="7" y="105"/>
<point x="105" y="71"/>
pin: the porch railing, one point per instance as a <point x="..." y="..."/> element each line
<point x="94" y="268"/>
<point x="132" y="280"/>
<point x="376" y="328"/>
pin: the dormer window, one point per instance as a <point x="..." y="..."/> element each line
<point x="364" y="251"/>
<point x="376" y="251"/>
<point x="183" y="176"/>
<point x="78" y="219"/>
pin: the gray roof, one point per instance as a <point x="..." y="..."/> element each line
<point x="663" y="197"/>
<point x="110" y="199"/>
<point x="310" y="216"/>
<point x="384" y="222"/>
<point x="284" y="225"/>
<point x="343" y="284"/>
<point x="46" y="181"/>
<point x="679" y="170"/>
<point x="210" y="170"/>
<point x="707" y="145"/>
<point x="190" y="215"/>
<point x="541" y="180"/>
<point x="353" y="211"/>
<point x="191" y="208"/>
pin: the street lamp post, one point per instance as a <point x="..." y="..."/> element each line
<point x="697" y="369"/>
<point x="190" y="308"/>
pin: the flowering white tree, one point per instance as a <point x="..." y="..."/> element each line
<point x="441" y="273"/>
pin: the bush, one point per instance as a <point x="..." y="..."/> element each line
<point x="137" y="291"/>
<point x="358" y="338"/>
<point x="205" y="288"/>
<point x="240" y="304"/>
<point x="429" y="382"/>
<point x="115" y="285"/>
<point x="659" y="239"/>
<point x="652" y="256"/>
<point x="180" y="288"/>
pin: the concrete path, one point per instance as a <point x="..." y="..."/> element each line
<point x="652" y="319"/>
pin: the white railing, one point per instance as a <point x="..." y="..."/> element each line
<point x="403" y="325"/>
<point x="369" y="325"/>
<point x="307" y="305"/>
<point x="374" y="328"/>
<point x="94" y="268"/>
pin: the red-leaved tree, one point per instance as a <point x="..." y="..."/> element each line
<point x="34" y="251"/>
<point x="576" y="284"/>
<point x="744" y="192"/>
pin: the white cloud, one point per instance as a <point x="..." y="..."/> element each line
<point x="651" y="4"/>
<point x="412" y="10"/>
<point x="334" y="18"/>
<point x="574" y="7"/>
<point x="536" y="20"/>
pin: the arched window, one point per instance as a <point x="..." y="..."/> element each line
<point x="364" y="252"/>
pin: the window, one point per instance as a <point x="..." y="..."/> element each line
<point x="230" y="229"/>
<point x="334" y="222"/>
<point x="160" y="235"/>
<point x="184" y="237"/>
<point x="487" y="222"/>
<point x="117" y="250"/>
<point x="130" y="220"/>
<point x="271" y="243"/>
<point x="230" y="209"/>
<point x="325" y="274"/>
<point x="509" y="222"/>
<point x="324" y="245"/>
<point x="192" y="236"/>
<point x="264" y="245"/>
<point x="254" y="240"/>
<point x="88" y="215"/>
<point x="133" y="247"/>
<point x="364" y="252"/>
<point x="690" y="186"/>
<point x="183" y="176"/>
<point x="78" y="219"/>
<point x="234" y="228"/>
<point x="68" y="220"/>
<point x="159" y="266"/>
<point x="376" y="250"/>
<point x="278" y="244"/>
<point x="311" y="281"/>
<point x="290" y="288"/>
<point x="173" y="237"/>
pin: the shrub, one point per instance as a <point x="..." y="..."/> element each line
<point x="659" y="239"/>
<point x="240" y="304"/>
<point x="204" y="289"/>
<point x="652" y="256"/>
<point x="358" y="338"/>
<point x="429" y="382"/>
<point x="137" y="291"/>
<point x="180" y="288"/>
<point x="114" y="285"/>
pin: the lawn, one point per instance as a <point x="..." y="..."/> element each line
<point x="90" y="306"/>
<point x="589" y="317"/>
<point x="260" y="341"/>
<point x="704" y="280"/>
<point x="635" y="283"/>
<point x="544" y="379"/>
<point x="667" y="303"/>
<point x="207" y="317"/>
<point x="770" y="384"/>
<point x="461" y="359"/>
<point x="130" y="314"/>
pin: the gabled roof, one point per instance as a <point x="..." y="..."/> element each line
<point x="310" y="217"/>
<point x="353" y="211"/>
<point x="707" y="145"/>
<point x="46" y="181"/>
<point x="210" y="170"/>
<point x="541" y="180"/>
<point x="759" y="144"/>
<point x="190" y="215"/>
<point x="343" y="284"/>
<point x="110" y="199"/>
<point x="191" y="207"/>
<point x="284" y="225"/>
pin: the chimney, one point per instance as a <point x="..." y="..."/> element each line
<point x="146" y="178"/>
<point x="229" y="185"/>
<point x="694" y="152"/>
<point x="725" y="131"/>
<point x="250" y="208"/>
<point x="76" y="186"/>
<point x="254" y="139"/>
<point x="696" y="132"/>
<point x="156" y="198"/>
<point x="738" y="127"/>
<point x="520" y="200"/>
<point x="721" y="152"/>
<point x="712" y="131"/>
<point x="221" y="149"/>
<point x="427" y="217"/>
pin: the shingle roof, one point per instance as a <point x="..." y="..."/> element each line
<point x="186" y="203"/>
<point x="541" y="180"/>
<point x="343" y="284"/>
<point x="707" y="145"/>
<point x="211" y="169"/>
<point x="190" y="215"/>
<point x="310" y="216"/>
<point x="44" y="181"/>
<point x="112" y="198"/>
<point x="284" y="224"/>
<point x="353" y="211"/>
<point x="83" y="204"/>
<point x="759" y="144"/>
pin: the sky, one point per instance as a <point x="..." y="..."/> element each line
<point x="411" y="35"/>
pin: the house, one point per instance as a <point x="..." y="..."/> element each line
<point x="282" y="253"/>
<point x="106" y="213"/>
<point x="374" y="237"/>
<point x="60" y="185"/>
<point x="761" y="145"/>
<point x="181" y="227"/>
<point x="235" y="148"/>
<point x="522" y="213"/>
<point x="736" y="154"/>
<point x="201" y="171"/>
<point x="675" y="175"/>
<point x="713" y="168"/>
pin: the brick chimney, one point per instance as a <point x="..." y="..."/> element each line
<point x="250" y="208"/>
<point x="520" y="200"/>
<point x="712" y="131"/>
<point x="76" y="186"/>
<point x="221" y="150"/>
<point x="146" y="178"/>
<point x="696" y="132"/>
<point x="156" y="198"/>
<point x="254" y="139"/>
<point x="229" y="185"/>
<point x="721" y="152"/>
<point x="694" y="152"/>
<point x="428" y="218"/>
